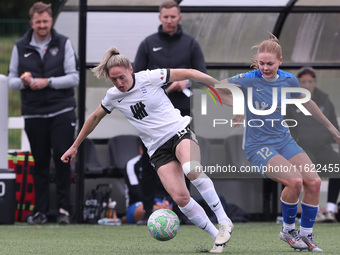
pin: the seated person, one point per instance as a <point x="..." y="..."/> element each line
<point x="134" y="193"/>
<point x="135" y="212"/>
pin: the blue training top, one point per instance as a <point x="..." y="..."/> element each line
<point x="264" y="129"/>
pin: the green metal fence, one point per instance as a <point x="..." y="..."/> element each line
<point x="9" y="27"/>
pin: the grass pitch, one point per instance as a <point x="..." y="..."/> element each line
<point x="247" y="238"/>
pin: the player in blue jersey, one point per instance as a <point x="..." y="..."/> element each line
<point x="269" y="145"/>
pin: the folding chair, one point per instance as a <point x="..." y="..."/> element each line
<point x="120" y="150"/>
<point x="92" y="165"/>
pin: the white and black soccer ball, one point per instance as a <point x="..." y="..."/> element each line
<point x="163" y="224"/>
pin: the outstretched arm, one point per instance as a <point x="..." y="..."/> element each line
<point x="225" y="93"/>
<point x="195" y="75"/>
<point x="184" y="74"/>
<point x="312" y="107"/>
<point x="89" y="125"/>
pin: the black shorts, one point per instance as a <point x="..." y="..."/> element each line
<point x="166" y="152"/>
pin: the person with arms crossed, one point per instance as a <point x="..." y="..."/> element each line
<point x="170" y="47"/>
<point x="316" y="140"/>
<point x="43" y="67"/>
<point x="269" y="145"/>
<point x="171" y="144"/>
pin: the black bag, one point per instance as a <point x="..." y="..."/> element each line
<point x="96" y="202"/>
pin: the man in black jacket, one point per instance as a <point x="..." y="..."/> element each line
<point x="170" y="47"/>
<point x="316" y="140"/>
<point x="43" y="67"/>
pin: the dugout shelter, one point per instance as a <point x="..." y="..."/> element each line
<point x="309" y="32"/>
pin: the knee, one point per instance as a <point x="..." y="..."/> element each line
<point x="181" y="199"/>
<point x="296" y="184"/>
<point x="192" y="169"/>
<point x="312" y="184"/>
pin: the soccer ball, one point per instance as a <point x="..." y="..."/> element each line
<point x="163" y="224"/>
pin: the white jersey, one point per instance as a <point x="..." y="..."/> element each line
<point x="148" y="108"/>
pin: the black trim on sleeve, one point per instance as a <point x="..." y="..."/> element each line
<point x="106" y="110"/>
<point x="168" y="75"/>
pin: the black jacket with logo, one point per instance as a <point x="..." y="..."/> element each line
<point x="160" y="50"/>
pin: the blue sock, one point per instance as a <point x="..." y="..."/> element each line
<point x="308" y="215"/>
<point x="289" y="211"/>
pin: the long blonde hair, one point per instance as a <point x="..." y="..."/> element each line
<point x="271" y="45"/>
<point x="111" y="58"/>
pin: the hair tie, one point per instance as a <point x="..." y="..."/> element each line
<point x="115" y="53"/>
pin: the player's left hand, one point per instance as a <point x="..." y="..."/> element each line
<point x="238" y="119"/>
<point x="336" y="136"/>
<point x="334" y="132"/>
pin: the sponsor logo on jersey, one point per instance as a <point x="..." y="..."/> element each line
<point x="138" y="111"/>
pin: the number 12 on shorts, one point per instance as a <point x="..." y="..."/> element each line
<point x="264" y="152"/>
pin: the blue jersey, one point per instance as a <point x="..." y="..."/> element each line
<point x="264" y="129"/>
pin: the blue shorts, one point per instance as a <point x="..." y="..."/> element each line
<point x="130" y="212"/>
<point x="130" y="218"/>
<point x="260" y="155"/>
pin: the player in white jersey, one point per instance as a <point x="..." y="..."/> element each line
<point x="146" y="99"/>
<point x="171" y="145"/>
<point x="271" y="145"/>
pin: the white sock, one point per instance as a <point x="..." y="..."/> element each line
<point x="206" y="188"/>
<point x="197" y="215"/>
<point x="330" y="207"/>
<point x="287" y="227"/>
<point x="305" y="231"/>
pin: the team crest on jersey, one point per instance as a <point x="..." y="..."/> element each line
<point x="143" y="89"/>
<point x="237" y="77"/>
<point x="54" y="51"/>
<point x="162" y="74"/>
